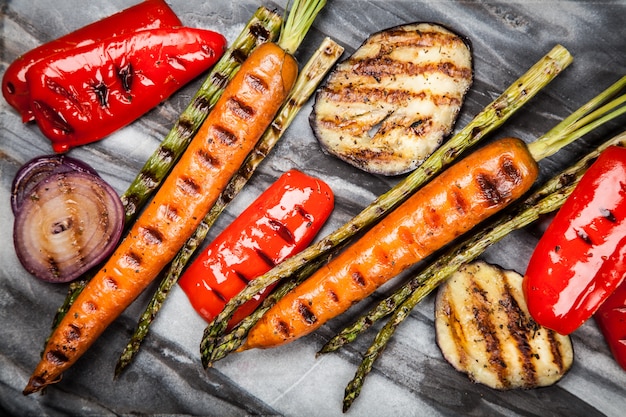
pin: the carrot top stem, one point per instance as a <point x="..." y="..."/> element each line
<point x="297" y="23"/>
<point x="588" y="117"/>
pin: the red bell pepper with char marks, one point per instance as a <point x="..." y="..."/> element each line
<point x="149" y="14"/>
<point x="85" y="94"/>
<point x="279" y="223"/>
<point x="611" y="319"/>
<point x="581" y="258"/>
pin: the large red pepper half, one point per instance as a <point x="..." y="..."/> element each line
<point x="581" y="258"/>
<point x="611" y="319"/>
<point x="282" y="221"/>
<point x="149" y="14"/>
<point x="85" y="94"/>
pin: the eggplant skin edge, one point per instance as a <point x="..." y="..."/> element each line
<point x="389" y="105"/>
<point x="483" y="329"/>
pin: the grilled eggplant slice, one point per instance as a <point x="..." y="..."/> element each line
<point x="484" y="329"/>
<point x="390" y="105"/>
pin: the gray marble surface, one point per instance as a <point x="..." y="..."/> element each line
<point x="411" y="378"/>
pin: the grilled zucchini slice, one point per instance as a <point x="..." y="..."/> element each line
<point x="484" y="330"/>
<point x="390" y="105"/>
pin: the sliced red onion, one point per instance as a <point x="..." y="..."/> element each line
<point x="68" y="223"/>
<point x="39" y="168"/>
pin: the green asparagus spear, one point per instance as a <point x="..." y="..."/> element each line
<point x="311" y="75"/>
<point x="494" y="115"/>
<point x="546" y="199"/>
<point x="262" y="27"/>
<point x="582" y="121"/>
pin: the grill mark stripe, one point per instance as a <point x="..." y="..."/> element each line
<point x="188" y="186"/>
<point x="239" y="109"/>
<point x="373" y="67"/>
<point x="457" y="332"/>
<point x="486" y="328"/>
<point x="365" y="93"/>
<point x="256" y="83"/>
<point x="224" y="135"/>
<point x="488" y="187"/>
<point x="306" y="313"/>
<point x="267" y="259"/>
<point x="208" y="160"/>
<point x="282" y="231"/>
<point x="555" y="349"/>
<point x="518" y="327"/>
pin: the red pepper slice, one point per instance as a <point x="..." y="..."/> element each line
<point x="149" y="14"/>
<point x="581" y="257"/>
<point x="611" y="319"/>
<point x="279" y="223"/>
<point x="83" y="95"/>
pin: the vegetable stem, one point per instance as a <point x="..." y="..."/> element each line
<point x="546" y="199"/>
<point x="263" y="26"/>
<point x="311" y="75"/>
<point x="490" y="118"/>
<point x="299" y="20"/>
<point x="579" y="123"/>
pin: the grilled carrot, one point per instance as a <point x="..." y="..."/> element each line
<point x="454" y="202"/>
<point x="451" y="204"/>
<point x="239" y="118"/>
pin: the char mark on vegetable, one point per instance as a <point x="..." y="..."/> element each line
<point x="224" y="135"/>
<point x="260" y="32"/>
<point x="151" y="235"/>
<point x="267" y="259"/>
<point x="256" y="83"/>
<point x="358" y="278"/>
<point x="489" y="189"/>
<point x="73" y="332"/>
<point x="510" y="171"/>
<point x="131" y="260"/>
<point x="305" y="312"/>
<point x="459" y="202"/>
<point x="207" y="160"/>
<point x="188" y="186"/>
<point x="54" y="118"/>
<point x="282" y="230"/>
<point x="56" y="357"/>
<point x="102" y="94"/>
<point x="126" y="75"/>
<point x="240" y="109"/>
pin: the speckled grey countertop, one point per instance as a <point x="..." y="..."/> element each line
<point x="411" y="378"/>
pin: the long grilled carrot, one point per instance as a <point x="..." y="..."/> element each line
<point x="239" y="118"/>
<point x="454" y="202"/>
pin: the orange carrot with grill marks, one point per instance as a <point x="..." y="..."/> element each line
<point x="238" y="120"/>
<point x="450" y="205"/>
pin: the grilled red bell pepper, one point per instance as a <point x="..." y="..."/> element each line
<point x="149" y="14"/>
<point x="611" y="319"/>
<point x="581" y="257"/>
<point x="279" y="223"/>
<point x="83" y="95"/>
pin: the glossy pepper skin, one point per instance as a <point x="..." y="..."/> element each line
<point x="279" y="223"/>
<point x="581" y="258"/>
<point x="149" y="14"/>
<point x="611" y="319"/>
<point x="85" y="94"/>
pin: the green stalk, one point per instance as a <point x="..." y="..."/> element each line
<point x="311" y="75"/>
<point x="550" y="197"/>
<point x="263" y="26"/>
<point x="493" y="116"/>
<point x="298" y="22"/>
<point x="582" y="121"/>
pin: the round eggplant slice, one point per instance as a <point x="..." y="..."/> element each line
<point x="68" y="223"/>
<point x="39" y="168"/>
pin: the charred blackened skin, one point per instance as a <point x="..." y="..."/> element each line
<point x="306" y="313"/>
<point x="282" y="231"/>
<point x="125" y="75"/>
<point x="102" y="93"/>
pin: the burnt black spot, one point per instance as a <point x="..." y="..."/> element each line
<point x="282" y="230"/>
<point x="185" y="127"/>
<point x="201" y="103"/>
<point x="56" y="357"/>
<point x="188" y="186"/>
<point x="306" y="313"/>
<point x="489" y="189"/>
<point x="151" y="235"/>
<point x="148" y="179"/>
<point x="265" y="258"/>
<point x="219" y="80"/>
<point x="510" y="171"/>
<point x="260" y="32"/>
<point x="102" y="93"/>
<point x="125" y="74"/>
<point x="607" y="214"/>
<point x="256" y="83"/>
<point x="582" y="235"/>
<point x="72" y="333"/>
<point x="240" y="109"/>
<point x="358" y="278"/>
<point x="225" y="136"/>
